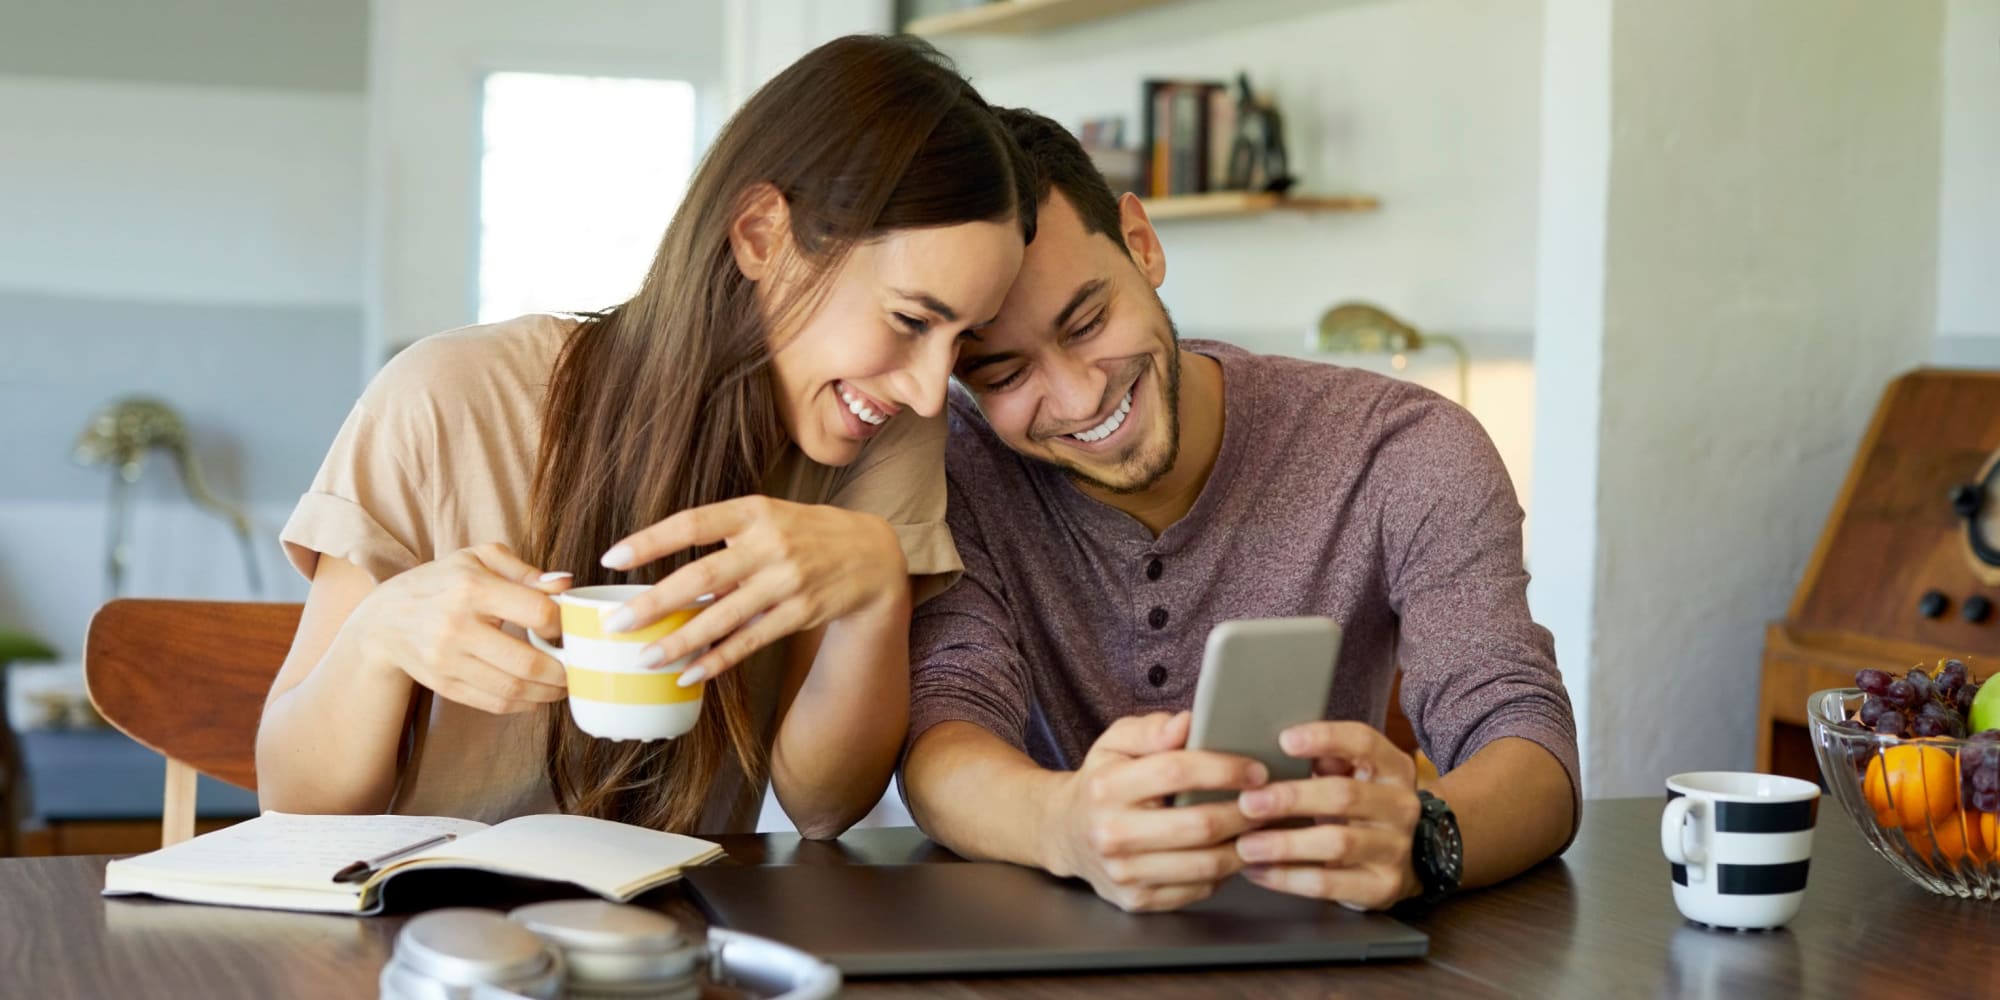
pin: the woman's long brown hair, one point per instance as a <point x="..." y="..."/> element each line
<point x="664" y="402"/>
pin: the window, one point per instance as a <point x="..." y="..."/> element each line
<point x="578" y="177"/>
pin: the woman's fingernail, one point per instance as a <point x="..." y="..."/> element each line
<point x="620" y="620"/>
<point x="650" y="657"/>
<point x="1292" y="740"/>
<point x="619" y="557"/>
<point x="1254" y="848"/>
<point x="557" y="575"/>
<point x="1258" y="775"/>
<point x="1256" y="802"/>
<point x="692" y="676"/>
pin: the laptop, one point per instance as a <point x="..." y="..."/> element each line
<point x="953" y="919"/>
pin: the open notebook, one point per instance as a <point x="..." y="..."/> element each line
<point x="285" y="862"/>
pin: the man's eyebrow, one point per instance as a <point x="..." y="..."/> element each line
<point x="1083" y="294"/>
<point x="931" y="302"/>
<point x="972" y="365"/>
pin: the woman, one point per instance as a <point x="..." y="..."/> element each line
<point x="761" y="421"/>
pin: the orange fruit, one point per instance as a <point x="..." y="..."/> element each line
<point x="1908" y="785"/>
<point x="1956" y="836"/>
<point x="1989" y="836"/>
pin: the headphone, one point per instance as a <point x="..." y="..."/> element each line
<point x="593" y="949"/>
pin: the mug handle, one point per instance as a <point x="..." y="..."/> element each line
<point x="535" y="639"/>
<point x="1671" y="823"/>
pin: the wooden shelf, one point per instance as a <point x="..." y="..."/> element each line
<point x="1025" y="17"/>
<point x="1235" y="204"/>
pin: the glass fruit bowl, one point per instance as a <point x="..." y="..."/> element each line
<point x="1915" y="800"/>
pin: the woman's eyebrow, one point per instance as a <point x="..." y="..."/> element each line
<point x="931" y="302"/>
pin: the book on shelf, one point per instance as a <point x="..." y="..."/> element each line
<point x="1188" y="133"/>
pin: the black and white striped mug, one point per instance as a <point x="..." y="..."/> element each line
<point x="1739" y="845"/>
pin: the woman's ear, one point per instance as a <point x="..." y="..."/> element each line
<point x="1141" y="242"/>
<point x="758" y="234"/>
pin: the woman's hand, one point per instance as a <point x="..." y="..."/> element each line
<point x="441" y="623"/>
<point x="786" y="568"/>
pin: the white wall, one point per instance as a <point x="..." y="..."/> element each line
<point x="1569" y="338"/>
<point x="1968" y="320"/>
<point x="427" y="59"/>
<point x="1432" y="105"/>
<point x="1768" y="213"/>
<point x="196" y="242"/>
<point x="180" y="192"/>
<point x="180" y="203"/>
<point x="762" y="37"/>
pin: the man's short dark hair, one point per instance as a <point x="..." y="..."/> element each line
<point x="1057" y="162"/>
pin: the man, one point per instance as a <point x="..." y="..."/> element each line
<point x="1115" y="493"/>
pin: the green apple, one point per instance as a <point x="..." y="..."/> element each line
<point x="1986" y="706"/>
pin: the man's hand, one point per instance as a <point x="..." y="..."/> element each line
<point x="1363" y="799"/>
<point x="1112" y="825"/>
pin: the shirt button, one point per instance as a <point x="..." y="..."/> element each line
<point x="1157" y="619"/>
<point x="1156" y="676"/>
<point x="1154" y="569"/>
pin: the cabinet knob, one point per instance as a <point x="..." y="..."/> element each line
<point x="1976" y="609"/>
<point x="1932" y="604"/>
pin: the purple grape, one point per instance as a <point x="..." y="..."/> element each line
<point x="1986" y="779"/>
<point x="1962" y="698"/>
<point x="1926" y="726"/>
<point x="1953" y="668"/>
<point x="1920" y="682"/>
<point x="1986" y="736"/>
<point x="1900" y="695"/>
<point x="1949" y="680"/>
<point x="1871" y="710"/>
<point x="1987" y="802"/>
<point x="1872" y="681"/>
<point x="1890" y="723"/>
<point x="1948" y="720"/>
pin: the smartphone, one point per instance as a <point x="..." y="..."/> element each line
<point x="1259" y="678"/>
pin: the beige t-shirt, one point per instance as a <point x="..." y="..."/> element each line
<point x="439" y="454"/>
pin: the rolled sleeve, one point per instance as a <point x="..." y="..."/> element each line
<point x="965" y="663"/>
<point x="1476" y="666"/>
<point x="325" y="524"/>
<point x="366" y="505"/>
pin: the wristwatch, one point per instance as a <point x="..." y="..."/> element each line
<point x="1437" y="852"/>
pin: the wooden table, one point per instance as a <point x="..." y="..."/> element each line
<point x="1599" y="922"/>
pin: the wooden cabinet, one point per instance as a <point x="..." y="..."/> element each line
<point x="1901" y="570"/>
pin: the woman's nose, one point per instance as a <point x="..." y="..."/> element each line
<point x="922" y="382"/>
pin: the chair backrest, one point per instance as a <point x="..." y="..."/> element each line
<point x="188" y="679"/>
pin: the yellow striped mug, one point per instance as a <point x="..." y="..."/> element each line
<point x="610" y="695"/>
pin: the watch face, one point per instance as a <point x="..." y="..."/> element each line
<point x="1444" y="852"/>
<point x="1452" y="854"/>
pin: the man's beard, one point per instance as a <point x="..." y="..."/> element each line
<point x="1158" y="465"/>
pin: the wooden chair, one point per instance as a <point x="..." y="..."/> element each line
<point x="187" y="679"/>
